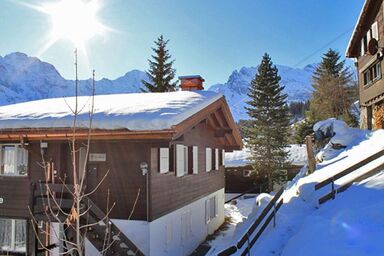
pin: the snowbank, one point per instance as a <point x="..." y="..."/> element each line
<point x="134" y="111"/>
<point x="341" y="135"/>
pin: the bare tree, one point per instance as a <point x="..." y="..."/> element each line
<point x="74" y="218"/>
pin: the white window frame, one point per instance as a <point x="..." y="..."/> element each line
<point x="208" y="159"/>
<point x="180" y="165"/>
<point x="211" y="209"/>
<point x="195" y="156"/>
<point x="20" y="155"/>
<point x="13" y="247"/>
<point x="164" y="160"/>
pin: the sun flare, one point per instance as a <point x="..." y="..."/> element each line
<point x="74" y="20"/>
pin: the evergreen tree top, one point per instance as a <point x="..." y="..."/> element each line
<point x="161" y="72"/>
<point x="333" y="66"/>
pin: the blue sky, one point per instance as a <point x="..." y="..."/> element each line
<point x="211" y="38"/>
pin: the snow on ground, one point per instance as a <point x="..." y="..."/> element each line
<point x="297" y="156"/>
<point x="144" y="111"/>
<point x="352" y="224"/>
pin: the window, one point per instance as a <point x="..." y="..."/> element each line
<point x="373" y="32"/>
<point x="195" y="157"/>
<point x="164" y="160"/>
<point x="372" y="74"/>
<point x="14" y="160"/>
<point x="186" y="160"/>
<point x="12" y="235"/>
<point x="210" y="209"/>
<point x="208" y="159"/>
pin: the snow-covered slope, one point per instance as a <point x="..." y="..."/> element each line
<point x="297" y="84"/>
<point x="24" y="78"/>
<point x="351" y="224"/>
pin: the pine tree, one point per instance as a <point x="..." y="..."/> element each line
<point x="161" y="72"/>
<point x="334" y="90"/>
<point x="270" y="116"/>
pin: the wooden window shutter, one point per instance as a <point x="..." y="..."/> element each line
<point x="375" y="31"/>
<point x="208" y="159"/>
<point x="216" y="159"/>
<point x="179" y="160"/>
<point x="223" y="157"/>
<point x="362" y="47"/>
<point x="186" y="160"/>
<point x="164" y="160"/>
<point x="195" y="157"/>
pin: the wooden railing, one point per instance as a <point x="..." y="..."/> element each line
<point x="242" y="194"/>
<point x="331" y="180"/>
<point x="251" y="236"/>
<point x="119" y="243"/>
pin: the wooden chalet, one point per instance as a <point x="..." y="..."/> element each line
<point x="366" y="46"/>
<point x="165" y="157"/>
<point x="240" y="176"/>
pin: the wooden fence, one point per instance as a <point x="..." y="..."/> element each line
<point x="251" y="236"/>
<point x="331" y="180"/>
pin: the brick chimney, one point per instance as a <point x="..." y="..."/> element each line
<point x="191" y="83"/>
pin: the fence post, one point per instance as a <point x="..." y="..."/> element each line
<point x="248" y="244"/>
<point x="310" y="154"/>
<point x="274" y="215"/>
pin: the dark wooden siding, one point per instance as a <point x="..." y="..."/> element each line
<point x="371" y="94"/>
<point x="168" y="192"/>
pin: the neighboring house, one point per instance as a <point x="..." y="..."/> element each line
<point x="165" y="149"/>
<point x="366" y="46"/>
<point x="239" y="174"/>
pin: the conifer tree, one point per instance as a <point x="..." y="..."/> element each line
<point x="334" y="90"/>
<point x="269" y="113"/>
<point x="161" y="72"/>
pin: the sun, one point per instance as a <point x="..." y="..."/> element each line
<point x="74" y="20"/>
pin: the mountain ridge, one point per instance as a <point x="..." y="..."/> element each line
<point x="24" y="78"/>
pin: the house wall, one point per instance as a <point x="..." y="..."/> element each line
<point x="168" y="192"/>
<point x="163" y="236"/>
<point x="370" y="95"/>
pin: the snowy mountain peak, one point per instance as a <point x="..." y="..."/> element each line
<point x="25" y="78"/>
<point x="297" y="84"/>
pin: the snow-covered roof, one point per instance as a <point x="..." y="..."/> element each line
<point x="134" y="111"/>
<point x="359" y="20"/>
<point x="297" y="156"/>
